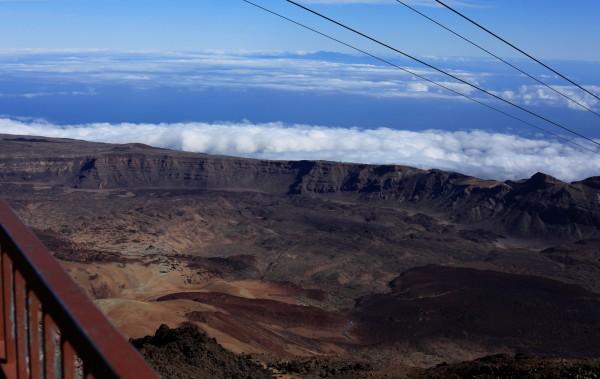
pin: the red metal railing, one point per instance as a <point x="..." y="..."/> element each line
<point x="48" y="326"/>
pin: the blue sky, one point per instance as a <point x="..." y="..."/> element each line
<point x="222" y="77"/>
<point x="553" y="29"/>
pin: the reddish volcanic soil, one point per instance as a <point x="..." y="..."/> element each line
<point x="521" y="313"/>
<point x="271" y="326"/>
<point x="267" y="311"/>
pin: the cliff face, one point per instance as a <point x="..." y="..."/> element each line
<point x="131" y="166"/>
<point x="539" y="206"/>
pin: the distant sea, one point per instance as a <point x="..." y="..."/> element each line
<point x="329" y="89"/>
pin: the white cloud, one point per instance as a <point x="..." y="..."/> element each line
<point x="276" y="71"/>
<point x="268" y="70"/>
<point x="479" y="153"/>
<point x="33" y="95"/>
<point x="538" y="94"/>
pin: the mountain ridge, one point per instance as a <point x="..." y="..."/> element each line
<point x="540" y="206"/>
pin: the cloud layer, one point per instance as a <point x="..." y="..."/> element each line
<point x="478" y="153"/>
<point x="291" y="72"/>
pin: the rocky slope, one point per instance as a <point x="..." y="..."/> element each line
<point x="518" y="367"/>
<point x="518" y="312"/>
<point x="322" y="264"/>
<point x="539" y="206"/>
<point x="187" y="353"/>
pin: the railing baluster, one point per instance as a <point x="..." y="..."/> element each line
<point x="68" y="358"/>
<point x="10" y="364"/>
<point x="51" y="351"/>
<point x="21" y="326"/>
<point x="36" y="351"/>
<point x="2" y="307"/>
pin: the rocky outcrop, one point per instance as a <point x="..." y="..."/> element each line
<point x="514" y="367"/>
<point x="186" y="353"/>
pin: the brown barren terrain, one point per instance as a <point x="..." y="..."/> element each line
<point x="322" y="265"/>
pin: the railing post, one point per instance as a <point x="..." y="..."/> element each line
<point x="21" y="326"/>
<point x="68" y="359"/>
<point x="36" y="353"/>
<point x="2" y="307"/>
<point x="51" y="351"/>
<point x="9" y="366"/>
